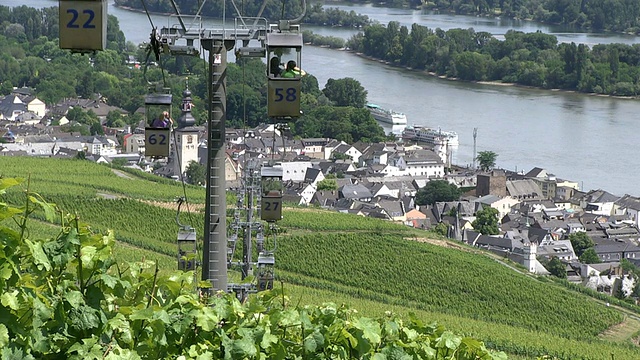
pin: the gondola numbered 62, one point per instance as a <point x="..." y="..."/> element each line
<point x="157" y="139"/>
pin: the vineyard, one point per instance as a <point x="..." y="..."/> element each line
<point x="79" y="177"/>
<point x="444" y="281"/>
<point x="330" y="257"/>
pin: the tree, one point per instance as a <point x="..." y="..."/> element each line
<point x="580" y="242"/>
<point x="441" y="229"/>
<point x="327" y="184"/>
<point x="436" y="191"/>
<point x="590" y="256"/>
<point x="196" y="173"/>
<point x="486" y="221"/>
<point x="345" y="92"/>
<point x="557" y="268"/>
<point x="114" y="119"/>
<point x="486" y="160"/>
<point x="96" y="129"/>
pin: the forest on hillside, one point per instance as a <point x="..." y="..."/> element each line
<point x="598" y="15"/>
<point x="531" y="59"/>
<point x="30" y="57"/>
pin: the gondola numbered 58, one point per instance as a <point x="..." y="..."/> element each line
<point x="284" y="47"/>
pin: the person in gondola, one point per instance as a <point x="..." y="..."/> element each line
<point x="164" y="122"/>
<point x="274" y="67"/>
<point x="292" y="70"/>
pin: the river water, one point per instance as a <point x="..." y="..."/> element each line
<point x="585" y="138"/>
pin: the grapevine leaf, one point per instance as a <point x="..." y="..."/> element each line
<point x="6" y="183"/>
<point x="280" y="352"/>
<point x="74" y="298"/>
<point x="10" y="300"/>
<point x="39" y="257"/>
<point x="472" y="344"/>
<point x="391" y="330"/>
<point x="121" y="326"/>
<point x="142" y="314"/>
<point x="319" y="338"/>
<point x="287" y="317"/>
<point x="71" y="237"/>
<point x="5" y="271"/>
<point x="173" y="286"/>
<point x="41" y="312"/>
<point x="267" y="339"/>
<point x="118" y="353"/>
<point x="10" y="353"/>
<point x="370" y="329"/>
<point x="83" y="318"/>
<point x="431" y="352"/>
<point x="379" y="356"/>
<point x="448" y="340"/>
<point x="159" y="332"/>
<point x="207" y="319"/>
<point x="310" y="344"/>
<point x="8" y="211"/>
<point x="39" y="342"/>
<point x="353" y="342"/>
<point x="4" y="336"/>
<point x="86" y="255"/>
<point x="49" y="209"/>
<point x="163" y="316"/>
<point x="244" y="347"/>
<point x="109" y="281"/>
<point x="393" y="352"/>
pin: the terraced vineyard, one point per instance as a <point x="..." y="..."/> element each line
<point x="371" y="265"/>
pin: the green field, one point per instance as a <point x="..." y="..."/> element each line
<point x="371" y="265"/>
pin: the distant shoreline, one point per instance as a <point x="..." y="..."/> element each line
<point x="493" y="83"/>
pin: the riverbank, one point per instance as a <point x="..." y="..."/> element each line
<point x="492" y="83"/>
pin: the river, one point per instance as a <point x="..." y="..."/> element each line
<point x="585" y="138"/>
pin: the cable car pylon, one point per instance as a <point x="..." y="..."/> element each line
<point x="180" y="40"/>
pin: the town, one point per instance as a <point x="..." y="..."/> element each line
<point x="540" y="217"/>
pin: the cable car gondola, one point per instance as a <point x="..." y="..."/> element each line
<point x="266" y="265"/>
<point x="284" y="70"/>
<point x="157" y="133"/>
<point x="271" y="200"/>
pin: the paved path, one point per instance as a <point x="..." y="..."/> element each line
<point x="122" y="174"/>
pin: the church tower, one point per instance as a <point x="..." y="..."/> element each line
<point x="530" y="251"/>
<point x="186" y="133"/>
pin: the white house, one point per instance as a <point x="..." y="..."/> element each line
<point x="37" y="107"/>
<point x="630" y="206"/>
<point x="610" y="283"/>
<point x="295" y="170"/>
<point x="599" y="202"/>
<point x="503" y="205"/>
<point x="134" y="143"/>
<point x="10" y="107"/>
<point x="101" y="146"/>
<point x="421" y="163"/>
<point x="347" y="150"/>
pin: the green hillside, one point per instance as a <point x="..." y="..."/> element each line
<point x="374" y="266"/>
